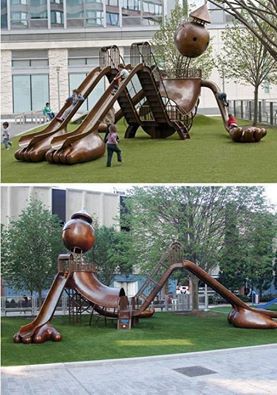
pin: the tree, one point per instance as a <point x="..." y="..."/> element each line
<point x="259" y="16"/>
<point x="31" y="245"/>
<point x="245" y="59"/>
<point x="195" y="216"/>
<point x="111" y="253"/>
<point x="260" y="259"/>
<point x="232" y="260"/>
<point x="171" y="60"/>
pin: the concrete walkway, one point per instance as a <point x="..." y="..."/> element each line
<point x="247" y="370"/>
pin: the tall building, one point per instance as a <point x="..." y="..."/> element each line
<point x="62" y="201"/>
<point x="48" y="46"/>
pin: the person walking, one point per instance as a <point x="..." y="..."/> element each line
<point x="6" y="135"/>
<point x="112" y="145"/>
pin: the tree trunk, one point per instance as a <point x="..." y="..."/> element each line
<point x="194" y="281"/>
<point x="39" y="298"/>
<point x="256" y="103"/>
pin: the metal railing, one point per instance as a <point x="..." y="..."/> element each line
<point x="244" y="109"/>
<point x="30" y="117"/>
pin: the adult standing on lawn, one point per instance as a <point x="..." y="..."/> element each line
<point x="112" y="145"/>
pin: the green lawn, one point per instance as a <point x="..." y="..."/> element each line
<point x="210" y="156"/>
<point x="164" y="333"/>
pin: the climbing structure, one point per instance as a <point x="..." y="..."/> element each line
<point x="85" y="291"/>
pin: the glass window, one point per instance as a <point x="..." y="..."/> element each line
<point x="56" y="18"/>
<point x="18" y="2"/>
<point x="96" y="93"/>
<point x="21" y="93"/>
<point x="20" y="64"/>
<point x="113" y="3"/>
<point x="112" y="19"/>
<point x="4" y="16"/>
<point x="38" y="9"/>
<point x="94" y="18"/>
<point x="39" y="91"/>
<point x="93" y="61"/>
<point x="30" y="92"/>
<point x="19" y="19"/>
<point x="131" y="5"/>
<point x="39" y="63"/>
<point x="76" y="62"/>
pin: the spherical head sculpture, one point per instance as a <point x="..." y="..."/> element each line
<point x="192" y="38"/>
<point x="78" y="233"/>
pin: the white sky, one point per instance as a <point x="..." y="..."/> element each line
<point x="270" y="189"/>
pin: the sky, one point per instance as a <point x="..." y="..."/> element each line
<point x="270" y="189"/>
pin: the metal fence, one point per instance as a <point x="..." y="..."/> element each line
<point x="244" y="109"/>
<point x="18" y="305"/>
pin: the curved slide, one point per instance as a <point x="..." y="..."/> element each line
<point x="246" y="134"/>
<point x="103" y="297"/>
<point x="39" y="329"/>
<point x="242" y="315"/>
<point x="77" y="146"/>
<point x="34" y="146"/>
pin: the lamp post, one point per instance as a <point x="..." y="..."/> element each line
<point x="58" y="86"/>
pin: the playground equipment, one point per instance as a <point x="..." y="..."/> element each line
<point x="148" y="98"/>
<point x="79" y="280"/>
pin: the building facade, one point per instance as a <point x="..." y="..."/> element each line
<point x="49" y="46"/>
<point x="103" y="207"/>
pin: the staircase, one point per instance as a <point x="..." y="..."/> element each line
<point x="158" y="276"/>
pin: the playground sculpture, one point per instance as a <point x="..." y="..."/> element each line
<point x="85" y="291"/>
<point x="149" y="98"/>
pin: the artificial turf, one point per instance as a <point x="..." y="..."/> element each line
<point x="164" y="333"/>
<point x="210" y="156"/>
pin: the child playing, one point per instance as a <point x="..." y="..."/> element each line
<point x="223" y="98"/>
<point x="48" y="112"/>
<point x="73" y="100"/>
<point x="121" y="76"/>
<point x="232" y="122"/>
<point x="6" y="135"/>
<point x="112" y="145"/>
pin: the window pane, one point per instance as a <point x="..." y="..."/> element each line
<point x="39" y="63"/>
<point x="4" y="20"/>
<point x="21" y="93"/>
<point x="76" y="62"/>
<point x="20" y="64"/>
<point x="112" y="19"/>
<point x="38" y="9"/>
<point x="40" y="92"/>
<point x="96" y="93"/>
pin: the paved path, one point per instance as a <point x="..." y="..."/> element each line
<point x="248" y="370"/>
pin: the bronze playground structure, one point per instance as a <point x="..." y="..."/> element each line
<point x="85" y="291"/>
<point x="149" y="98"/>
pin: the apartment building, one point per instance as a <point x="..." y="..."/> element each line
<point x="48" y="47"/>
<point x="63" y="201"/>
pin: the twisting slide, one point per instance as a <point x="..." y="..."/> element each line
<point x="34" y="146"/>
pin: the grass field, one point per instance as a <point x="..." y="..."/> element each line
<point x="164" y="333"/>
<point x="210" y="156"/>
